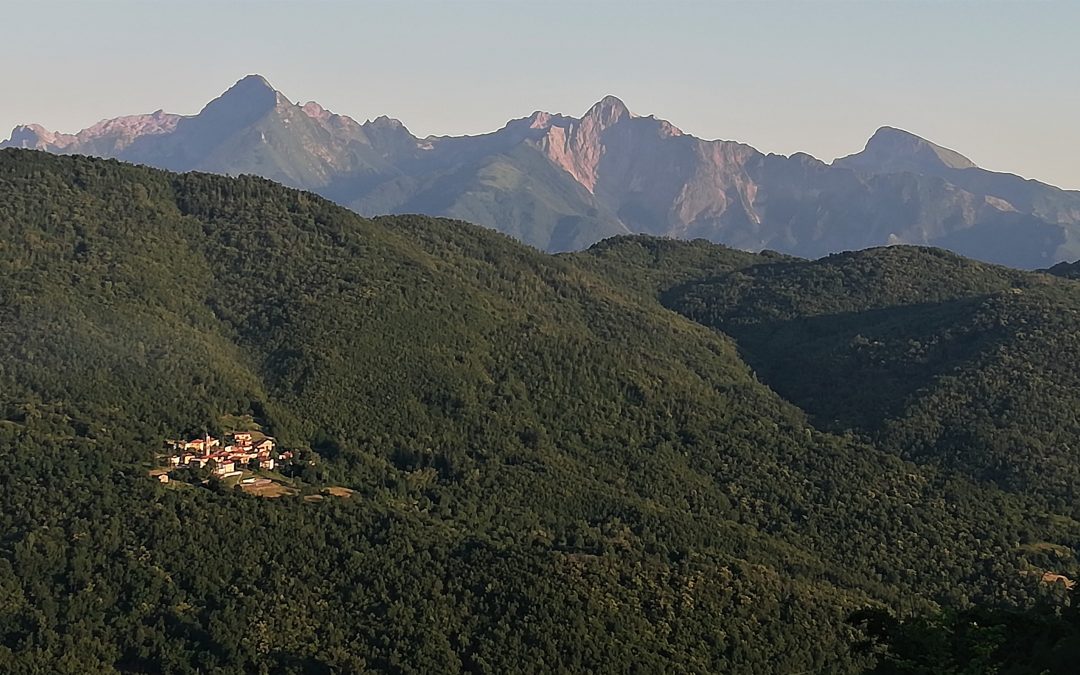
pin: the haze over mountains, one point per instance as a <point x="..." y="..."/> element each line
<point x="563" y="183"/>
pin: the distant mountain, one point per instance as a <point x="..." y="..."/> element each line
<point x="1066" y="269"/>
<point x="562" y="183"/>
<point x="894" y="151"/>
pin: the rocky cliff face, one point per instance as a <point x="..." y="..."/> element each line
<point x="560" y="182"/>
<point x="107" y="137"/>
<point x="577" y="146"/>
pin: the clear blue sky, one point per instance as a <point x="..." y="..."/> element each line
<point x="996" y="80"/>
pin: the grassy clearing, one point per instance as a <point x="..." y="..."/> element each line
<point x="234" y="423"/>
<point x="338" y="491"/>
<point x="1047" y="547"/>
<point x="270" y="490"/>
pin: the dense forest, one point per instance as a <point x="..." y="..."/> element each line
<point x="938" y="359"/>
<point x="650" y="456"/>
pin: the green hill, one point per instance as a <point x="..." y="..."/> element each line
<point x="1066" y="269"/>
<point x="933" y="357"/>
<point x="552" y="471"/>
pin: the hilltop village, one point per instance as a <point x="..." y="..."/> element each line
<point x="227" y="457"/>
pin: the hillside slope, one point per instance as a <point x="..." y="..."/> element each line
<point x="550" y="469"/>
<point x="934" y="357"/>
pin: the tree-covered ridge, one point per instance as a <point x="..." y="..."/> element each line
<point x="552" y="470"/>
<point x="976" y="640"/>
<point x="1066" y="269"/>
<point x="650" y="265"/>
<point x="934" y="357"/>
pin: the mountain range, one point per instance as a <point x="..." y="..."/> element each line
<point x="562" y="183"/>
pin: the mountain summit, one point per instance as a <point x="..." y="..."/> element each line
<point x="608" y="111"/>
<point x="560" y="182"/>
<point x="244" y="101"/>
<point x="894" y="150"/>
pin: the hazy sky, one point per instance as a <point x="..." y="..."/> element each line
<point x="998" y="81"/>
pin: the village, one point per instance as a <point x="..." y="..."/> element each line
<point x="225" y="458"/>
<point x="245" y="459"/>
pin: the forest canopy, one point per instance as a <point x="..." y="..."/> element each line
<point x="551" y="469"/>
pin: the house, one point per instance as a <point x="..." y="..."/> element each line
<point x="267" y="463"/>
<point x="174" y="460"/>
<point x="225" y="467"/>
<point x="242" y="438"/>
<point x="202" y="445"/>
<point x="265" y="445"/>
<point x="163" y="478"/>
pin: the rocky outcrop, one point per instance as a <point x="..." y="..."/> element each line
<point x="105" y="137"/>
<point x="577" y="145"/>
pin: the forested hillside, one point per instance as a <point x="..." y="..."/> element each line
<point x="933" y="357"/>
<point x="552" y="470"/>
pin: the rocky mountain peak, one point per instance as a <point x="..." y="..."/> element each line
<point x="539" y="120"/>
<point x="389" y="135"/>
<point x="31" y="136"/>
<point x="242" y="104"/>
<point x="608" y="111"/>
<point x="384" y="122"/>
<point x="578" y="146"/>
<point x="252" y="83"/>
<point x="315" y="111"/>
<point x="891" y="150"/>
<point x="251" y="92"/>
<point x="891" y="139"/>
<point x="158" y="122"/>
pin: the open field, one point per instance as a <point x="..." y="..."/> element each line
<point x="269" y="490"/>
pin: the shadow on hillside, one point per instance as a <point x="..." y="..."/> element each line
<point x="856" y="370"/>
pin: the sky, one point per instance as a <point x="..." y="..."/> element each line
<point x="997" y="80"/>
